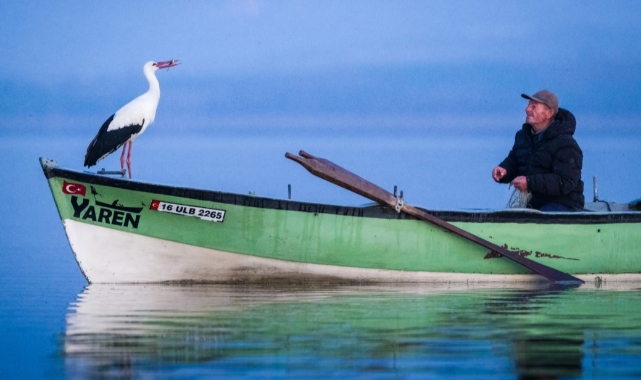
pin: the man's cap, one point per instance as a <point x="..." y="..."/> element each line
<point x="546" y="97"/>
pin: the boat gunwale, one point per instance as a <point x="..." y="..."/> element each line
<point x="523" y="216"/>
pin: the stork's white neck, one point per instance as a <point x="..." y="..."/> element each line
<point x="154" y="86"/>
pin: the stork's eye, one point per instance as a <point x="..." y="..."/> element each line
<point x="154" y="64"/>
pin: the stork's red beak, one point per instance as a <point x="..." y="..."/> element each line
<point x="167" y="64"/>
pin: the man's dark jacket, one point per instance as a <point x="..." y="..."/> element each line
<point x="551" y="162"/>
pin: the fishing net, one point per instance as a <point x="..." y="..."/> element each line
<point x="519" y="199"/>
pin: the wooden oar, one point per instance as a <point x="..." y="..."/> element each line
<point x="333" y="173"/>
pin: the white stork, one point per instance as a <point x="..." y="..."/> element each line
<point x="128" y="122"/>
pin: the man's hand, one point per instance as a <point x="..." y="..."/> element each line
<point x="520" y="183"/>
<point x="498" y="173"/>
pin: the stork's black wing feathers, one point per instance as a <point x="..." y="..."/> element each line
<point x="107" y="142"/>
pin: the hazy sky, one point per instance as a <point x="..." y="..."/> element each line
<point x="321" y="57"/>
<point x="348" y="69"/>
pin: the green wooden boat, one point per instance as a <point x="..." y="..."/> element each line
<point x="128" y="231"/>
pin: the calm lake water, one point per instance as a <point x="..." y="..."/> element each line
<point x="53" y="325"/>
<point x="410" y="331"/>
<point x="387" y="332"/>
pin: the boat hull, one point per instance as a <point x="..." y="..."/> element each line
<point x="112" y="256"/>
<point x="128" y="231"/>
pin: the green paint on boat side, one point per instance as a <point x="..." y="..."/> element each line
<point x="362" y="242"/>
<point x="298" y="236"/>
<point x="574" y="248"/>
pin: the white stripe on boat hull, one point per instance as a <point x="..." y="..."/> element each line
<point x="108" y="256"/>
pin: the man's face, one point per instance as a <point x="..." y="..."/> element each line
<point x="537" y="114"/>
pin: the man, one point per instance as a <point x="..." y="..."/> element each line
<point x="545" y="159"/>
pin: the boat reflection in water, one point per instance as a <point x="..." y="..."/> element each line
<point x="350" y="332"/>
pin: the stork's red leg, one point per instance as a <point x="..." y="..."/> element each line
<point x="131" y="143"/>
<point x="122" y="157"/>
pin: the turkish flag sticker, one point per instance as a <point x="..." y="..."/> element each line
<point x="73" y="188"/>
